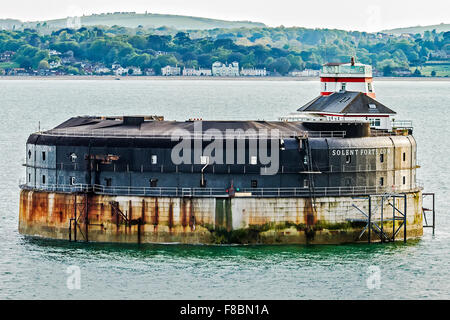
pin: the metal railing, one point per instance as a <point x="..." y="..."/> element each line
<point x="217" y="192"/>
<point x="402" y="124"/>
<point x="203" y="135"/>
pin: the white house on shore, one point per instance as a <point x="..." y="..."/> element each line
<point x="305" y="73"/>
<point x="253" y="72"/>
<point x="170" y="71"/>
<point x="196" y="72"/>
<point x="135" y="71"/>
<point x="220" y="69"/>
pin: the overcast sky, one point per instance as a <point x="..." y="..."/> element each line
<point x="341" y="14"/>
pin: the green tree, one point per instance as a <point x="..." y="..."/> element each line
<point x="280" y="65"/>
<point x="43" y="64"/>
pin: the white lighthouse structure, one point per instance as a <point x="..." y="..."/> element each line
<point x="346" y="94"/>
<point x="340" y="77"/>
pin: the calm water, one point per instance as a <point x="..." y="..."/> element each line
<point x="32" y="268"/>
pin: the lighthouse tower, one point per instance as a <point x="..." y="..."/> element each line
<point x="340" y="77"/>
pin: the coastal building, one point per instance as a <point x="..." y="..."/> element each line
<point x="192" y="72"/>
<point x="346" y="106"/>
<point x="440" y="54"/>
<point x="337" y="77"/>
<point x="134" y="71"/>
<point x="54" y="53"/>
<point x="54" y="64"/>
<point x="116" y="179"/>
<point x="171" y="71"/>
<point x="402" y="72"/>
<point x="118" y="70"/>
<point x="6" y="56"/>
<point x="253" y="72"/>
<point x="347" y="94"/>
<point x="149" y="72"/>
<point x="304" y="73"/>
<point x="18" y="72"/>
<point x="102" y="70"/>
<point x="311" y="73"/>
<point x="220" y="69"/>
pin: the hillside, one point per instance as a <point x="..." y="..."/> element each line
<point x="9" y="23"/>
<point x="133" y="20"/>
<point x="443" y="27"/>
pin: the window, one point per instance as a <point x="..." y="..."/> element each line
<point x="43" y="155"/>
<point x="325" y="87"/>
<point x="369" y="87"/>
<point x="306" y="183"/>
<point x="404" y="180"/>
<point x="153" y="183"/>
<point x="381" y="181"/>
<point x="253" y="160"/>
<point x="382" y="158"/>
<point x="108" y="182"/>
<point x="375" y="122"/>
<point x="343" y="86"/>
<point x="29" y="154"/>
<point x="404" y="156"/>
<point x="154" y="159"/>
<point x="348" y="159"/>
<point x="29" y="177"/>
<point x="43" y="179"/>
<point x="73" y="157"/>
<point x="254" y="184"/>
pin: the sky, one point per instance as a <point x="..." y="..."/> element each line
<point x="343" y="14"/>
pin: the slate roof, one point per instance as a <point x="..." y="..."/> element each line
<point x="346" y="102"/>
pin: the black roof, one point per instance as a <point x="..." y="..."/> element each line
<point x="138" y="126"/>
<point x="346" y="102"/>
<point x="139" y="132"/>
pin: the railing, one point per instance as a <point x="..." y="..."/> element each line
<point x="327" y="134"/>
<point x="217" y="192"/>
<point x="193" y="135"/>
<point x="402" y="124"/>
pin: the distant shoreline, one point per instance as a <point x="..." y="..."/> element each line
<point x="137" y="78"/>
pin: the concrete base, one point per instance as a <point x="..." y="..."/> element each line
<point x="329" y="220"/>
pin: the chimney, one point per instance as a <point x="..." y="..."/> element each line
<point x="352" y="61"/>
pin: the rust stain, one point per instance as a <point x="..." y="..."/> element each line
<point x="191" y="216"/>
<point x="48" y="214"/>
<point x="183" y="214"/>
<point x="130" y="210"/>
<point x="170" y="217"/>
<point x="156" y="214"/>
<point x="143" y="212"/>
<point x="309" y="213"/>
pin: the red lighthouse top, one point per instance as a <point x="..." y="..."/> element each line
<point x="340" y="77"/>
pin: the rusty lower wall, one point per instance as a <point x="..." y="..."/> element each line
<point x="206" y="220"/>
